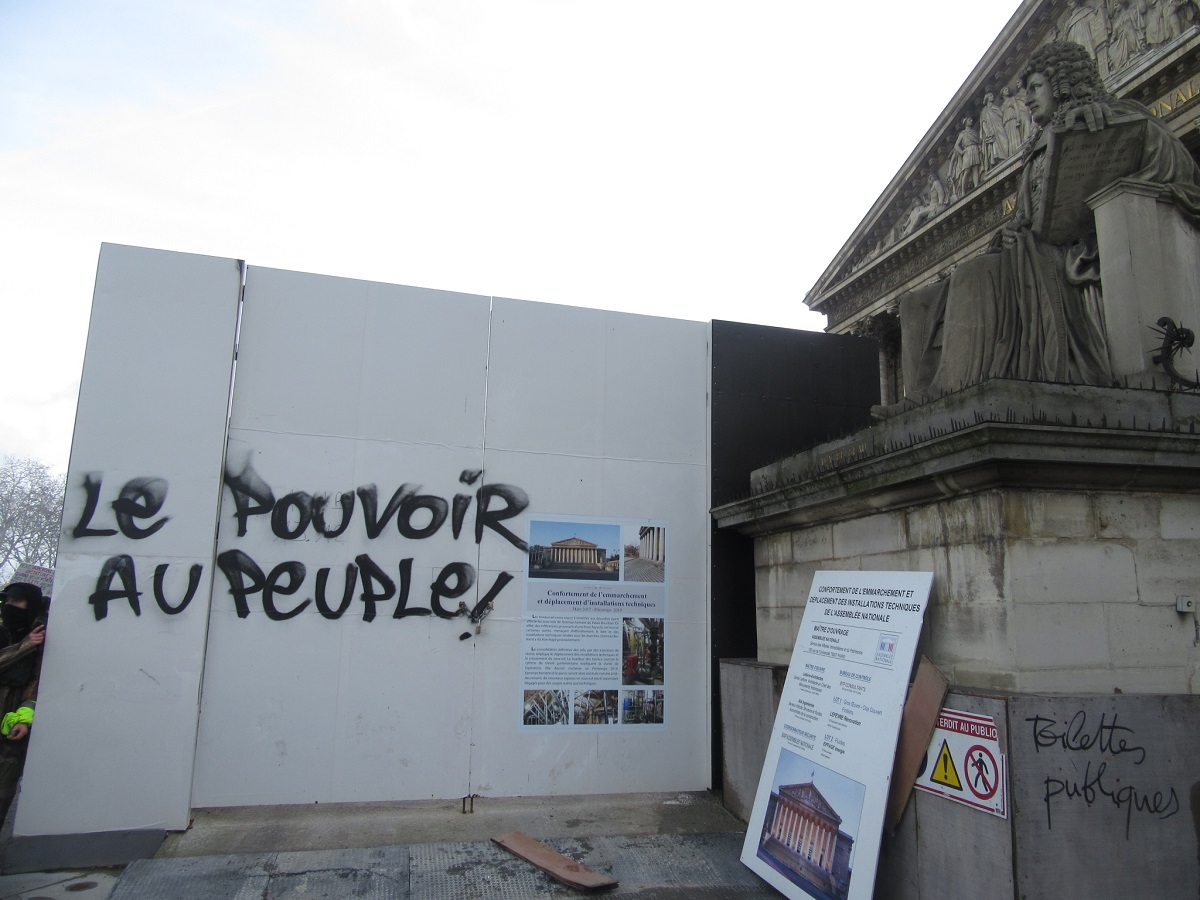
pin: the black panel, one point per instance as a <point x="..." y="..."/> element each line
<point x="775" y="392"/>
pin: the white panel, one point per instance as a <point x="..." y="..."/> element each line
<point x="604" y="384"/>
<point x="116" y="723"/>
<point x="393" y="398"/>
<point x="357" y="359"/>
<point x="599" y="415"/>
<point x="546" y="385"/>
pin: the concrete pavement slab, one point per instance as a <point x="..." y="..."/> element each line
<point x="87" y="885"/>
<point x="650" y="867"/>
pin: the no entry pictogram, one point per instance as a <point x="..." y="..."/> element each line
<point x="983" y="775"/>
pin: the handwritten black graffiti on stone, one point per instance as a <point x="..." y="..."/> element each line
<point x="417" y="517"/>
<point x="1109" y="741"/>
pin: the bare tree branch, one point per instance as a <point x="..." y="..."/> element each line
<point x="31" y="504"/>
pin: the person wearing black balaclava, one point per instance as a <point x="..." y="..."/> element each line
<point x="22" y="633"/>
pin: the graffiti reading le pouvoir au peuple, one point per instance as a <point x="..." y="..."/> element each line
<point x="139" y="510"/>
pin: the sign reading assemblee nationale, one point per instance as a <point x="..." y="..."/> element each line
<point x="818" y="816"/>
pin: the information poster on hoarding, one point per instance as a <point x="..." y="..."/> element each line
<point x="818" y="815"/>
<point x="594" y="636"/>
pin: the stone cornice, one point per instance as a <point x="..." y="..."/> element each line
<point x="993" y="435"/>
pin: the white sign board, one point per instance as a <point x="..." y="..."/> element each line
<point x="964" y="763"/>
<point x="818" y="815"/>
<point x="595" y="625"/>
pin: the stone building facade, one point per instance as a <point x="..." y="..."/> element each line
<point x="958" y="187"/>
<point x="802" y="830"/>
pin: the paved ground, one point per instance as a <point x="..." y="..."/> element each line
<point x="659" y="846"/>
<point x="643" y="570"/>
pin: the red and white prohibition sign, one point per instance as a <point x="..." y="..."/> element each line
<point x="982" y="775"/>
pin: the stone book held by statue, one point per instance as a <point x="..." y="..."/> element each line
<point x="1080" y="162"/>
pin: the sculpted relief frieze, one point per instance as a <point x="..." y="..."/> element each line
<point x="963" y="228"/>
<point x="994" y="129"/>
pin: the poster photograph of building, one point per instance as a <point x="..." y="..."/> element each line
<point x="575" y="551"/>
<point x="645" y="553"/>
<point x="594" y="625"/>
<point x="811" y="825"/>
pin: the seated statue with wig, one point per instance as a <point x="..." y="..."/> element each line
<point x="1030" y="307"/>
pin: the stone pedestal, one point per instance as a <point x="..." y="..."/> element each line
<point x="1060" y="522"/>
<point x="1150" y="268"/>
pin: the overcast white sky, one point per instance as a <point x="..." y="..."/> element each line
<point x="680" y="158"/>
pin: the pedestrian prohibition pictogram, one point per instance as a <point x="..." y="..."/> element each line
<point x="944" y="771"/>
<point x="983" y="775"/>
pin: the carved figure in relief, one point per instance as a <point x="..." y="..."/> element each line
<point x="1028" y="309"/>
<point x="967" y="163"/>
<point x="1013" y="112"/>
<point x="1156" y="24"/>
<point x="932" y="201"/>
<point x="1181" y="15"/>
<point x="1078" y="25"/>
<point x="1128" y="34"/>
<point x="991" y="132"/>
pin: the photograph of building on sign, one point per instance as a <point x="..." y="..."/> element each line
<point x="645" y="553"/>
<point x="577" y="551"/>
<point x="810" y="827"/>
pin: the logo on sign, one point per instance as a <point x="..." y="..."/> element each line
<point x="885" y="653"/>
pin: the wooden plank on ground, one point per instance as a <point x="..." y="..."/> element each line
<point x="921" y="709"/>
<point x="554" y="863"/>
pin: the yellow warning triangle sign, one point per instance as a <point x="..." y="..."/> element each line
<point x="944" y="773"/>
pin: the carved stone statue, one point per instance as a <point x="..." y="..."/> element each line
<point x="931" y="202"/>
<point x="1157" y="29"/>
<point x="1181" y="14"/>
<point x="1128" y="34"/>
<point x="1029" y="309"/>
<point x="991" y="132"/>
<point x="967" y="164"/>
<point x="1013" y="112"/>
<point x="1078" y="26"/>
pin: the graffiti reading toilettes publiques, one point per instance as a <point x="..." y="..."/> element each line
<point x="139" y="510"/>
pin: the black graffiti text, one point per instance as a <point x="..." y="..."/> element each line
<point x="1093" y="789"/>
<point x="417" y="516"/>
<point x="139" y="498"/>
<point x="1107" y="738"/>
<point x="122" y="569"/>
<point x="246" y="578"/>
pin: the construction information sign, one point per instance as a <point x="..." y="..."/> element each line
<point x="594" y="630"/>
<point x="818" y="816"/>
<point x="964" y="763"/>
